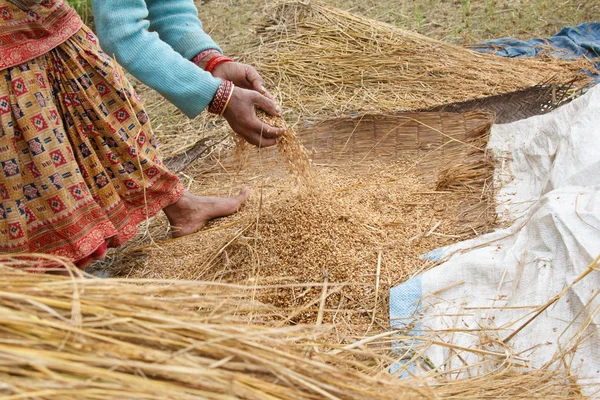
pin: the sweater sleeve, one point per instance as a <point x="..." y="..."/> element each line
<point x="122" y="27"/>
<point x="177" y="24"/>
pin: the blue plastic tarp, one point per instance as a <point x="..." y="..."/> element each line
<point x="570" y="42"/>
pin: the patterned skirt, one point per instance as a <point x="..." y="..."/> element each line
<point x="79" y="167"/>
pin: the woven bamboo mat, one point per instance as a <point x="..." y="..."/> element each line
<point x="518" y="105"/>
<point x="432" y="140"/>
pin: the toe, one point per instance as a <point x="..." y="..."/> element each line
<point x="235" y="203"/>
<point x="243" y="196"/>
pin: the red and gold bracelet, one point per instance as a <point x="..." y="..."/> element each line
<point x="198" y="58"/>
<point x="219" y="103"/>
<point x="213" y="62"/>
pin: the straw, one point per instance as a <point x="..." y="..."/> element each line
<point x="325" y="61"/>
<point x="84" y="338"/>
<point x="63" y="338"/>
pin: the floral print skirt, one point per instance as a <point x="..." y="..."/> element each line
<point x="79" y="166"/>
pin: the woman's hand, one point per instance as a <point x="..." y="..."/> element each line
<point x="241" y="116"/>
<point x="242" y="75"/>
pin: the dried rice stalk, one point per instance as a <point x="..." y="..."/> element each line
<point x="467" y="177"/>
<point x="71" y="338"/>
<point x="324" y="61"/>
<point x="63" y="338"/>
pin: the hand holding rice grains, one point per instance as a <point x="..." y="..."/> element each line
<point x="290" y="147"/>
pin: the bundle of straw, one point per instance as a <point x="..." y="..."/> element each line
<point x="63" y="338"/>
<point x="79" y="338"/>
<point x="325" y="61"/>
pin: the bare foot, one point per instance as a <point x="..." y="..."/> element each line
<point x="191" y="213"/>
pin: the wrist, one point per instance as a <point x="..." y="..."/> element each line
<point x="221" y="99"/>
<point x="213" y="62"/>
<point x="201" y="59"/>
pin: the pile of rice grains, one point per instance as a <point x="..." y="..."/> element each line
<point x="329" y="241"/>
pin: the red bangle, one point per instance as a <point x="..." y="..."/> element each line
<point x="213" y="62"/>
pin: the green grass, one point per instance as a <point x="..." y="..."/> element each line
<point x="84" y="9"/>
<point x="455" y="21"/>
<point x="469" y="21"/>
<point x="419" y="16"/>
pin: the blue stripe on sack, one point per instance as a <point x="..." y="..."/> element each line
<point x="436" y="255"/>
<point x="405" y="313"/>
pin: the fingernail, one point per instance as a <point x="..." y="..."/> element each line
<point x="263" y="89"/>
<point x="279" y="110"/>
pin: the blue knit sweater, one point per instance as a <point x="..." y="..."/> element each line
<point x="154" y="40"/>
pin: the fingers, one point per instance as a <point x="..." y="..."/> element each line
<point x="258" y="133"/>
<point x="259" y="128"/>
<point x="267" y="94"/>
<point x="255" y="80"/>
<point x="263" y="134"/>
<point x="267" y="105"/>
<point x="259" y="141"/>
<point x="244" y="76"/>
<point x="241" y="115"/>
<point x="264" y="142"/>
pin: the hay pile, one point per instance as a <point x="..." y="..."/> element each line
<point x="89" y="339"/>
<point x="324" y="61"/>
<point x="65" y="338"/>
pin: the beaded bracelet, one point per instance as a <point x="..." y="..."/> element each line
<point x="219" y="103"/>
<point x="213" y="62"/>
